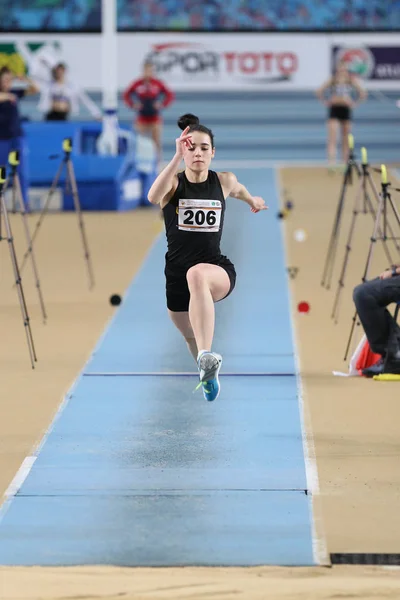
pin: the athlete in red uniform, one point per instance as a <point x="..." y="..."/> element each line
<point x="148" y="96"/>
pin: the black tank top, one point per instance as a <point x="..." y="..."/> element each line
<point x="342" y="89"/>
<point x="194" y="219"/>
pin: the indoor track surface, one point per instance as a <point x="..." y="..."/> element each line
<point x="139" y="470"/>
<point x="288" y="467"/>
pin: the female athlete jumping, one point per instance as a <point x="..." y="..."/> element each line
<point x="197" y="274"/>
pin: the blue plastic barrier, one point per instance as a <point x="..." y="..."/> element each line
<point x="104" y="182"/>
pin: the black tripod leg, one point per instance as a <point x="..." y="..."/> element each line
<point x="75" y="195"/>
<point x="24" y="311"/>
<point x="380" y="234"/>
<point x="387" y="225"/>
<point x="369" y="257"/>
<point x="330" y="255"/>
<point x="356" y="210"/>
<point x="43" y="213"/>
<point x="20" y="201"/>
<point x="350" y="336"/>
<point x="336" y="238"/>
<point x="365" y="193"/>
<point x="14" y="200"/>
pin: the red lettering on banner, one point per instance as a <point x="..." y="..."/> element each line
<point x="230" y="58"/>
<point x="267" y="61"/>
<point x="287" y="62"/>
<point x="249" y="62"/>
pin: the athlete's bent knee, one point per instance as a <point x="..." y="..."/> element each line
<point x="362" y="296"/>
<point x="357" y="295"/>
<point x="196" y="276"/>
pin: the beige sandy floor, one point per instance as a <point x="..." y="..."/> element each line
<point x="353" y="423"/>
<point x="76" y="316"/>
<point x="198" y="583"/>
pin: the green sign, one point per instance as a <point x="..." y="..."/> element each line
<point x="11" y="57"/>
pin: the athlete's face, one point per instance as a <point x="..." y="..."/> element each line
<point x="341" y="70"/>
<point x="59" y="73"/>
<point x="148" y="72"/>
<point x="199" y="156"/>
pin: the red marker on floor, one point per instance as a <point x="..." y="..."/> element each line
<point x="303" y="307"/>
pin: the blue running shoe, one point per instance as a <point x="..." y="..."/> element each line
<point x="209" y="364"/>
<point x="211" y="389"/>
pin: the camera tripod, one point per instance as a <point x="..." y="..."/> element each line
<point x="70" y="186"/>
<point x="365" y="181"/>
<point x="4" y="216"/>
<point x="18" y="205"/>
<point x="332" y="247"/>
<point x="379" y="233"/>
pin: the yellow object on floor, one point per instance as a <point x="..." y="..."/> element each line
<point x="387" y="377"/>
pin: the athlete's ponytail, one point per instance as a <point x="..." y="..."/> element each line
<point x="186" y="120"/>
<point x="189" y="120"/>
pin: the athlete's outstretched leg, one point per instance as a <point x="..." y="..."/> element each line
<point x="182" y="322"/>
<point x="332" y="141"/>
<point x="156" y="132"/>
<point x="207" y="284"/>
<point x="346" y="129"/>
<point x="142" y="128"/>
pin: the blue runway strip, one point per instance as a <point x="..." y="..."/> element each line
<point x="227" y="528"/>
<point x="140" y="471"/>
<point x="143" y="433"/>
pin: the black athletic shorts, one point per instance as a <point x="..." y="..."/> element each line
<point x="340" y="112"/>
<point x="55" y="115"/>
<point x="177" y="290"/>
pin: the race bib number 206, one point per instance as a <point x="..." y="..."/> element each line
<point x="199" y="215"/>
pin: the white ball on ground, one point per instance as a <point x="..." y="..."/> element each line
<point x="300" y="235"/>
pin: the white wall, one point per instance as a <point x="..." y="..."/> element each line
<point x="191" y="61"/>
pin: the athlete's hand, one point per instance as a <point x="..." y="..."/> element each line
<point x="386" y="274"/>
<point x="257" y="204"/>
<point x="183" y="141"/>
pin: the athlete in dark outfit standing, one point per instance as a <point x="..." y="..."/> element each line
<point x="197" y="274"/>
<point x="148" y="96"/>
<point x="340" y="88"/>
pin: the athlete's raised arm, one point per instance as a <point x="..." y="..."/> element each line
<point x="166" y="182"/>
<point x="233" y="188"/>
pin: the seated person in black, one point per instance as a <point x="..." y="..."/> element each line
<point x="383" y="334"/>
<point x="11" y="135"/>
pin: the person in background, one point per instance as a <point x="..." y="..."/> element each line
<point x="11" y="134"/>
<point x="60" y="98"/>
<point x="340" y="103"/>
<point x="40" y="62"/>
<point x="382" y="332"/>
<point x="148" y="96"/>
